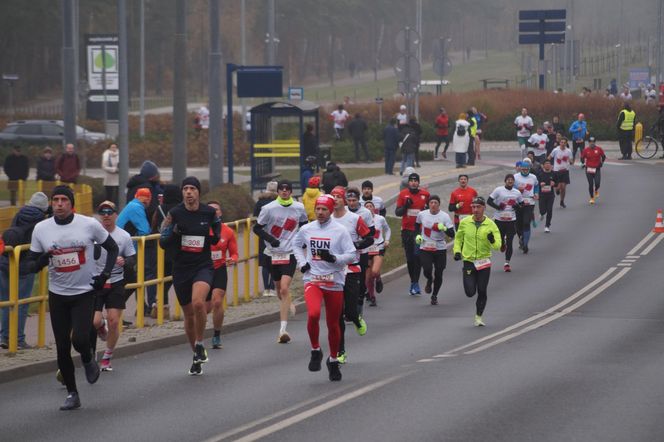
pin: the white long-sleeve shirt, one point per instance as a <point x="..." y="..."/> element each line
<point x="331" y="236"/>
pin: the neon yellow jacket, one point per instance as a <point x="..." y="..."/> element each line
<point x="472" y="241"/>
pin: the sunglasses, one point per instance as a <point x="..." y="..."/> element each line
<point x="106" y="212"/>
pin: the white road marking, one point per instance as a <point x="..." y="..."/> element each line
<point x="426" y="360"/>
<point x="652" y="244"/>
<point x="444" y="355"/>
<point x="632" y="256"/>
<point x="641" y="243"/>
<point x="620" y="264"/>
<point x="628" y="260"/>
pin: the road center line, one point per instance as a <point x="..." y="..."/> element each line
<point x="641" y="243"/>
<point x="652" y="245"/>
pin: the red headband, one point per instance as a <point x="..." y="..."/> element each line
<point x="339" y="191"/>
<point x="327" y="201"/>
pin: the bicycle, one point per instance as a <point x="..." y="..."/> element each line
<point x="647" y="147"/>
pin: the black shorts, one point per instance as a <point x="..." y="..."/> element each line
<point x="279" y="270"/>
<point x="219" y="280"/>
<point x="183" y="285"/>
<point x="112" y="297"/>
<point x="562" y="176"/>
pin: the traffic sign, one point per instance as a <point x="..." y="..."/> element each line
<point x="535" y="39"/>
<point x="295" y="93"/>
<point x="547" y="26"/>
<point x="542" y="27"/>
<point x="379" y="100"/>
<point x="413" y="66"/>
<point x="442" y="67"/>
<point x="407" y="40"/>
<point x="546" y="14"/>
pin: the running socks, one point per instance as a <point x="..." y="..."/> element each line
<point x="283" y="326"/>
<point x="108" y="354"/>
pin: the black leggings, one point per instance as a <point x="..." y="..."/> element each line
<point x="352" y="296"/>
<point x="437" y="261"/>
<point x="546" y="206"/>
<point x="577" y="146"/>
<point x="523" y="218"/>
<point x="507" y="231"/>
<point x="364" y="263"/>
<point x="476" y="281"/>
<point x="439" y="140"/>
<point x="71" y="319"/>
<point x="594" y="180"/>
<point x="410" y="248"/>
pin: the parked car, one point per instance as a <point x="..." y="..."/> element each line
<point x="45" y="131"/>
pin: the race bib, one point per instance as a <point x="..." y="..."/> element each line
<point x="373" y="250"/>
<point x="428" y="246"/>
<point x="67" y="262"/>
<point x="280" y="258"/>
<point x="412" y="212"/>
<point x="505" y="215"/>
<point x="216" y="255"/>
<point x="191" y="243"/>
<point x="591" y="170"/>
<point x="322" y="280"/>
<point x="546" y="189"/>
<point x="481" y="264"/>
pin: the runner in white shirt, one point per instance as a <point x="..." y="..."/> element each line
<point x="66" y="244"/>
<point x="402" y="115"/>
<point x="354" y="205"/>
<point x="505" y="199"/>
<point x="112" y="295"/>
<point x="323" y="248"/>
<point x="277" y="225"/>
<point x="339" y="116"/>
<point x="526" y="183"/>
<point x="382" y="237"/>
<point x="367" y="195"/>
<point x="537" y="144"/>
<point x="561" y="157"/>
<point x="524" y="124"/>
<point x="433" y="225"/>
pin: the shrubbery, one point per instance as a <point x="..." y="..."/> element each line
<point x="236" y="202"/>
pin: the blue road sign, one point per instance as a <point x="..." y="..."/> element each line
<point x="546" y="26"/>
<point x="541" y="27"/>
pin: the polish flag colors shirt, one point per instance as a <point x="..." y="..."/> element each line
<point x="282" y="222"/>
<point x="506" y="199"/>
<point x="561" y="158"/>
<point x="432" y="238"/>
<point x="420" y="201"/>
<point x="593" y="157"/>
<point x="383" y="233"/>
<point x="125" y="249"/>
<point x="71" y="247"/>
<point x="523" y="126"/>
<point x="227" y="242"/>
<point x="528" y="186"/>
<point x="356" y="228"/>
<point x="464" y="196"/>
<point x="539" y="144"/>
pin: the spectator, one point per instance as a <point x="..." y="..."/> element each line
<point x="461" y="140"/>
<point x="558" y="127"/>
<point x="310" y="144"/>
<point x="309" y="197"/>
<point x="109" y="163"/>
<point x="333" y="177"/>
<point x="339" y="116"/>
<point x="402" y="116"/>
<point x="417" y="129"/>
<point x="358" y="129"/>
<point x="442" y="133"/>
<point x="204" y="117"/>
<point x="651" y="94"/>
<point x="265" y="198"/>
<point x="307" y="172"/>
<point x="391" y="140"/>
<point x="68" y="165"/>
<point x="46" y="165"/>
<point x="472" y="137"/>
<point x="480" y="119"/>
<point x="20" y="233"/>
<point x="409" y="142"/>
<point x="147" y="177"/>
<point x="17" y="167"/>
<point x="625" y="95"/>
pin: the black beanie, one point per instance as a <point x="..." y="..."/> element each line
<point x="368" y="184"/>
<point x="63" y="190"/>
<point x="414" y="176"/>
<point x="191" y="181"/>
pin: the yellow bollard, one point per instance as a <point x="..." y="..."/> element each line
<point x="140" y="279"/>
<point x="255" y="266"/>
<point x="160" y="284"/>
<point x="638" y="133"/>
<point x="43" y="292"/>
<point x="13" y="298"/>
<point x="236" y="300"/>
<point x="247" y="263"/>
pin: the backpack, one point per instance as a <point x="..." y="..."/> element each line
<point x="461" y="130"/>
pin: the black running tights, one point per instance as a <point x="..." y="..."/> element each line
<point x="546" y="206"/>
<point x="435" y="261"/>
<point x="476" y="281"/>
<point x="507" y="230"/>
<point x="351" y="299"/>
<point x="594" y="180"/>
<point x="411" y="251"/>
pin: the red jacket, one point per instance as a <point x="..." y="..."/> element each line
<point x="68" y="167"/>
<point x="466" y="196"/>
<point x="442" y="125"/>
<point x="420" y="201"/>
<point x="593" y="157"/>
<point x="227" y="242"/>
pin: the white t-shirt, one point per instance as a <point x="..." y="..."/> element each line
<point x="125" y="249"/>
<point x="383" y="233"/>
<point x="376" y="200"/>
<point x="506" y="199"/>
<point x="282" y="222"/>
<point x="561" y="158"/>
<point x="204" y="117"/>
<point x="540" y="144"/>
<point x="339" y="118"/>
<point x="402" y="118"/>
<point x="433" y="240"/>
<point x="523" y="124"/>
<point x="71" y="247"/>
<point x="526" y="185"/>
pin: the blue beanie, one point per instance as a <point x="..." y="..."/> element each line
<point x="149" y="170"/>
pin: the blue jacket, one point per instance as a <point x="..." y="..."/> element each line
<point x="304" y="179"/>
<point x="391" y="137"/>
<point x="578" y="130"/>
<point x="134" y="213"/>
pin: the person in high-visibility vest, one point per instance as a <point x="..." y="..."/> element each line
<point x="625" y="125"/>
<point x="473" y="135"/>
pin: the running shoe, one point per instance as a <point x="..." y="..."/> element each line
<point x="507" y="268"/>
<point x="597" y="194"/>
<point x="342" y="357"/>
<point x="216" y="342"/>
<point x="196" y="369"/>
<point x="102" y="331"/>
<point x="91" y="371"/>
<point x="362" y="329"/>
<point x="284" y="338"/>
<point x="316" y="358"/>
<point x="547" y="230"/>
<point x="200" y="354"/>
<point x="525" y="249"/>
<point x="412" y="289"/>
<point x="478" y="321"/>
<point x="372" y="302"/>
<point x="59" y="377"/>
<point x="592" y="201"/>
<point x="427" y="287"/>
<point x="562" y="204"/>
<point x="416" y="288"/>
<point x="379" y="285"/>
<point x="434" y="300"/>
<point x="72" y="402"/>
<point x="333" y="369"/>
<point x="106" y="365"/>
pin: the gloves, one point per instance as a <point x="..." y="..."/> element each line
<point x="457" y="256"/>
<point x="440" y="227"/>
<point x="408" y="203"/>
<point x="418" y="239"/>
<point x="325" y="255"/>
<point x="491" y="238"/>
<point x="305" y="268"/>
<point x="274" y="242"/>
<point x="99" y="280"/>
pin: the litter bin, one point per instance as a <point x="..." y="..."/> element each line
<point x="324" y="155"/>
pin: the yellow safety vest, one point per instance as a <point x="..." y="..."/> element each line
<point x="628" y="122"/>
<point x="473" y="128"/>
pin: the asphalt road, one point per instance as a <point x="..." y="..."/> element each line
<point x="572" y="350"/>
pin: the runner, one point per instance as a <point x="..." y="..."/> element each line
<point x="460" y="200"/>
<point x="473" y="242"/>
<point x="537" y="144"/>
<point x="215" y="299"/>
<point x="593" y="157"/>
<point x="376" y="253"/>
<point x="524" y="124"/>
<point x="547" y="182"/>
<point x="561" y="157"/>
<point x="578" y="130"/>
<point x="353" y="204"/>
<point x="112" y="295"/>
<point x="505" y="199"/>
<point x="410" y="202"/>
<point x="362" y="238"/>
<point x="65" y="243"/>
<point x="277" y="225"/>
<point x="339" y="117"/>
<point x="367" y="195"/>
<point x="329" y="249"/>
<point x="433" y="225"/>
<point x="190" y="228"/>
<point x="528" y="185"/>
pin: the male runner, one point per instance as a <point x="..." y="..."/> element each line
<point x="190" y="228"/>
<point x="460" y="200"/>
<point x="433" y="225"/>
<point x="410" y="202"/>
<point x="561" y="157"/>
<point x="353" y="204"/>
<point x="547" y="183"/>
<point x="476" y="237"/>
<point x="277" y="224"/>
<point x="593" y="158"/>
<point x="367" y="195"/>
<point x="528" y="185"/>
<point x="376" y="253"/>
<point x="65" y="243"/>
<point x="323" y="248"/>
<point x="505" y="200"/>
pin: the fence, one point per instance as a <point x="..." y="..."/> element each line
<point x="247" y="261"/>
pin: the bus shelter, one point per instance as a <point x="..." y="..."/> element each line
<point x="277" y="130"/>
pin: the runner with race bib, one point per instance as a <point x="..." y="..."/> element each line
<point x="527" y="184"/>
<point x="506" y="199"/>
<point x="382" y="237"/>
<point x="593" y="157"/>
<point x="460" y="200"/>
